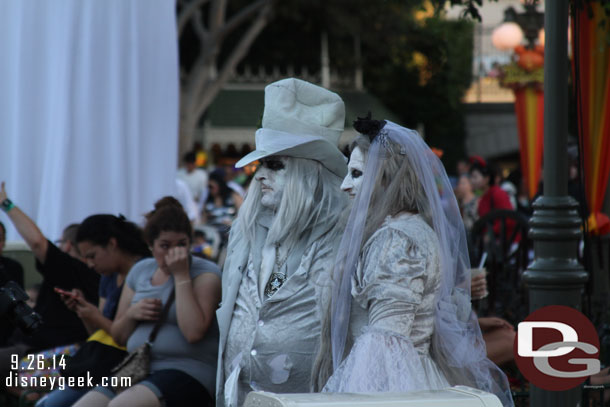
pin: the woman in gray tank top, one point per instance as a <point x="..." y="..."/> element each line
<point x="184" y="354"/>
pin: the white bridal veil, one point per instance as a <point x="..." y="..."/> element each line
<point x="457" y="344"/>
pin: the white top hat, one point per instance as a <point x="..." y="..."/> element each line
<point x="301" y="120"/>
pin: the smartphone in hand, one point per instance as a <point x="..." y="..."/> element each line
<point x="64" y="292"/>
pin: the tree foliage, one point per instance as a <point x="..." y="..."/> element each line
<point x="428" y="71"/>
<point x="470" y="7"/>
<point x="415" y="61"/>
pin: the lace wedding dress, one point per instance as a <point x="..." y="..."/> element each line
<point x="392" y="318"/>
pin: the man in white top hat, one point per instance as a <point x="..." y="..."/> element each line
<point x="281" y="247"/>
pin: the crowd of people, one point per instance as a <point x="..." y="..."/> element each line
<point x="211" y="202"/>
<point x="338" y="275"/>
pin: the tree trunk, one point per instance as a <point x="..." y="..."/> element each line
<point x="198" y="87"/>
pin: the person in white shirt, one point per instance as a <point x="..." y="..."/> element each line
<point x="195" y="178"/>
<point x="184" y="196"/>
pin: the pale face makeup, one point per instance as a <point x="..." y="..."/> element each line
<point x="272" y="178"/>
<point x="355" y="171"/>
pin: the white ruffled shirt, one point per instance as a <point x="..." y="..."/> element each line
<point x="271" y="342"/>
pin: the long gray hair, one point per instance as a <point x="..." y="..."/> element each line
<point x="397" y="189"/>
<point x="311" y="197"/>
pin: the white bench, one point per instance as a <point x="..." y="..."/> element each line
<point x="458" y="396"/>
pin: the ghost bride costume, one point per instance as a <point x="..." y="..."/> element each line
<point x="400" y="314"/>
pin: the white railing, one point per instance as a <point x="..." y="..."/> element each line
<point x="264" y="75"/>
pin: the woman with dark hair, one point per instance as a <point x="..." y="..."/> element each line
<point x="223" y="202"/>
<point x="221" y="208"/>
<point x="482" y="178"/>
<point x="400" y="317"/>
<point x="111" y="246"/>
<point x="184" y="355"/>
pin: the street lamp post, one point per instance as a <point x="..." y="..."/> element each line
<point x="530" y="21"/>
<point x="518" y="25"/>
<point x="525" y="76"/>
<point x="555" y="277"/>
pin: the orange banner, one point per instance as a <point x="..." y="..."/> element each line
<point x="529" y="108"/>
<point x="591" y="66"/>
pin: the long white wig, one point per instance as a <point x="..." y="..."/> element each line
<point x="312" y="196"/>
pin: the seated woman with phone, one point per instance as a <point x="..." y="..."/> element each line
<point x="111" y="246"/>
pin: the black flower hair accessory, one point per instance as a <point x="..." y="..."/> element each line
<point x="368" y="126"/>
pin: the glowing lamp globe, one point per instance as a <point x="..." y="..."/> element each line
<point x="507" y="36"/>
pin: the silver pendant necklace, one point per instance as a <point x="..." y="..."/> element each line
<point x="278" y="277"/>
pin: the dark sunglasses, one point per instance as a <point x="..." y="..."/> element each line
<point x="272" y="164"/>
